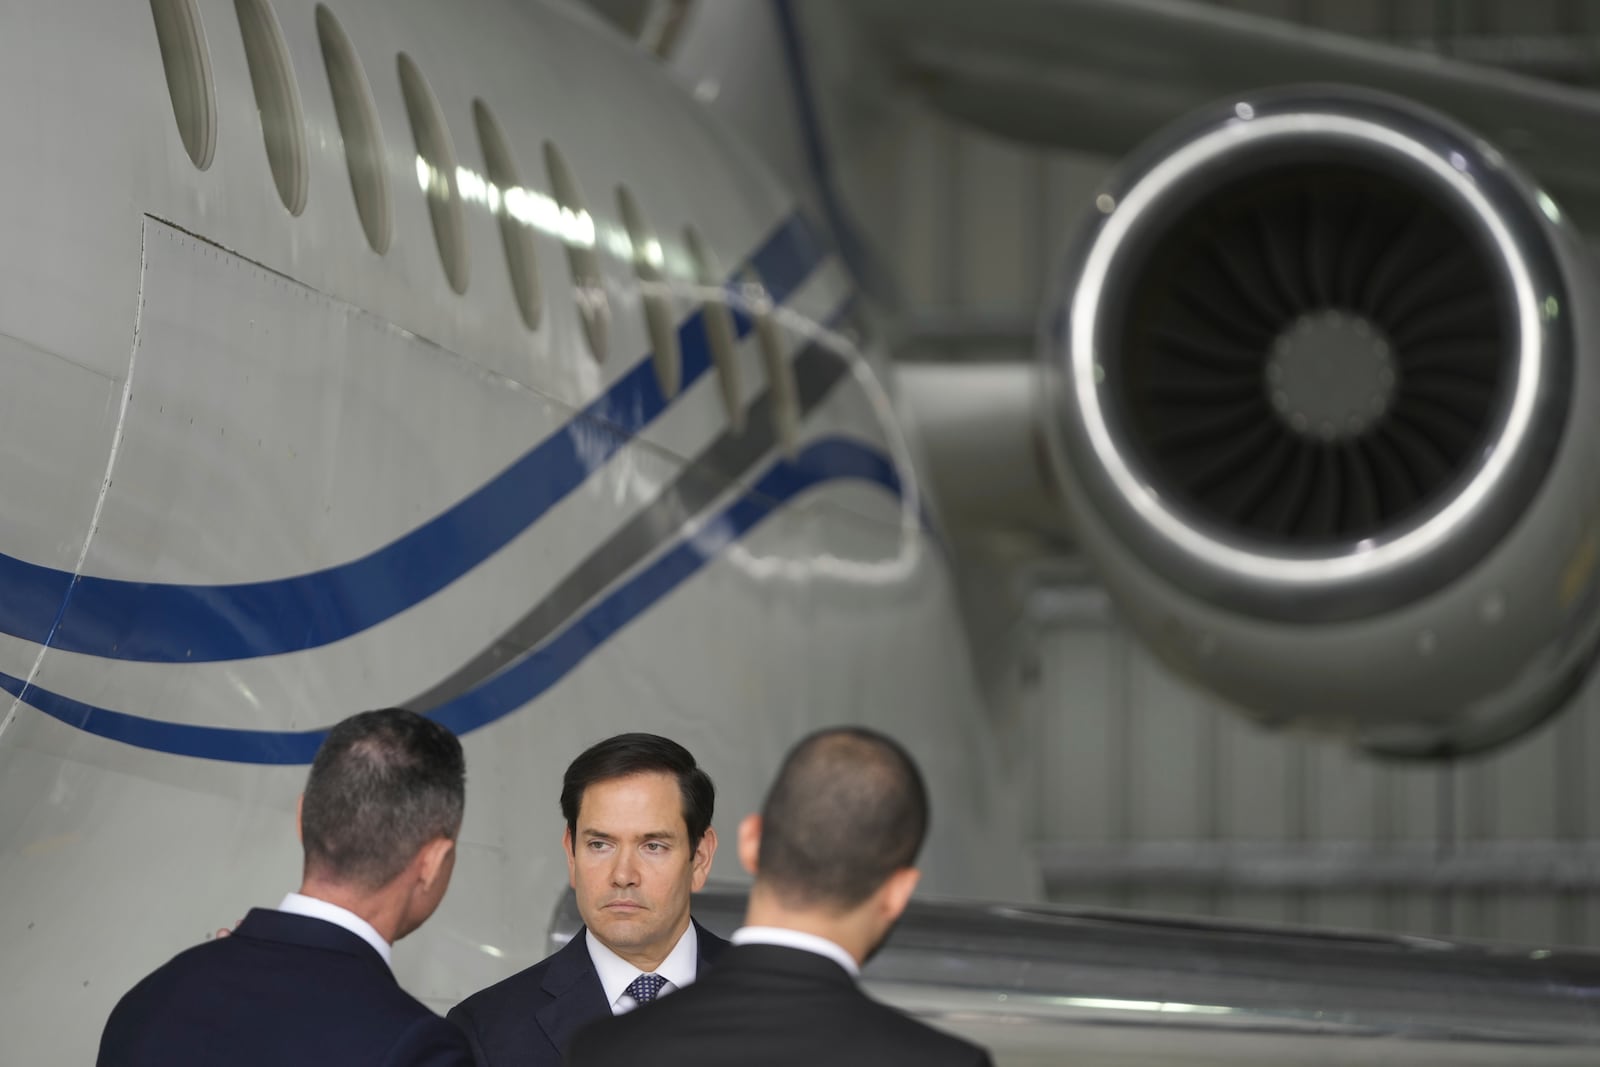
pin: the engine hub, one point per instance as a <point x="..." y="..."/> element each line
<point x="1331" y="376"/>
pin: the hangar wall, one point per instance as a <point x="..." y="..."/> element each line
<point x="1500" y="847"/>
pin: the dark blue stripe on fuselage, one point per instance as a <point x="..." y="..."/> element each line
<point x="169" y="623"/>
<point x="530" y="676"/>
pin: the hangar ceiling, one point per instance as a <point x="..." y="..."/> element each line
<point x="1557" y="40"/>
<point x="1551" y="39"/>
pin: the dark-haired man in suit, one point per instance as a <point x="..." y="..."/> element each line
<point x="638" y="842"/>
<point x="310" y="982"/>
<point x="832" y="854"/>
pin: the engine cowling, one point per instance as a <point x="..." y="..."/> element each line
<point x="1320" y="399"/>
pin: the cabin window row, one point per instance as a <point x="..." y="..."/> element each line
<point x="520" y="210"/>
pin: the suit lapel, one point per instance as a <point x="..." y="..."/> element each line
<point x="576" y="996"/>
<point x="709" y="945"/>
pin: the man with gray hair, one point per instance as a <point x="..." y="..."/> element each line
<point x="310" y="982"/>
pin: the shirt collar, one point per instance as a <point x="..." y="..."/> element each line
<point x="311" y="907"/>
<point x="616" y="973"/>
<point x="778" y="935"/>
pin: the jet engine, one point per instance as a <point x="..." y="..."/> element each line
<point x="1321" y="396"/>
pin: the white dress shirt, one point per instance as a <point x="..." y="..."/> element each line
<point x="298" y="904"/>
<point x="617" y="974"/>
<point x="778" y="935"/>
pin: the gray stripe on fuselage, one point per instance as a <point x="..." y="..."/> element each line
<point x="817" y="370"/>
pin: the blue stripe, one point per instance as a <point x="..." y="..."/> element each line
<point x="164" y="623"/>
<point x="528" y="677"/>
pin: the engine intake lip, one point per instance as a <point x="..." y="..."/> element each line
<point x="1097" y="349"/>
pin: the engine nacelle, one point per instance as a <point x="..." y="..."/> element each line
<point x="1318" y="397"/>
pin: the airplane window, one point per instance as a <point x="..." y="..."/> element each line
<point x="358" y="128"/>
<point x="575" y="226"/>
<point x="436" y="172"/>
<point x="507" y="201"/>
<point x="182" y="41"/>
<point x="659" y="315"/>
<point x="780" y="372"/>
<point x="719" y="326"/>
<point x="277" y="100"/>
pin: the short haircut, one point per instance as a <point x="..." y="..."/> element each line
<point x="847" y="810"/>
<point x="626" y="754"/>
<point x="383" y="784"/>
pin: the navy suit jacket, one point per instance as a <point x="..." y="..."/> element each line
<point x="773" y="1006"/>
<point x="281" y="989"/>
<point x="527" y="1020"/>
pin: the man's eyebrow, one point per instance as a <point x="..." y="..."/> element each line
<point x="651" y="835"/>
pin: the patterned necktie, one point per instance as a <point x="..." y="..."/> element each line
<point x="645" y="987"/>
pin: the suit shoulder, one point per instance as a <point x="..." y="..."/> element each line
<point x="594" y="1044"/>
<point x="928" y="1044"/>
<point x="707" y="938"/>
<point x="858" y="1030"/>
<point x="431" y="1042"/>
<point x="185" y="966"/>
<point x="517" y="992"/>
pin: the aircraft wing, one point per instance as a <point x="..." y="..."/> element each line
<point x="1101" y="75"/>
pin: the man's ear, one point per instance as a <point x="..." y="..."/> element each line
<point x="299" y="814"/>
<point x="572" y="860"/>
<point x="703" y="855"/>
<point x="750" y="842"/>
<point x="896" y="892"/>
<point x="435" y="858"/>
